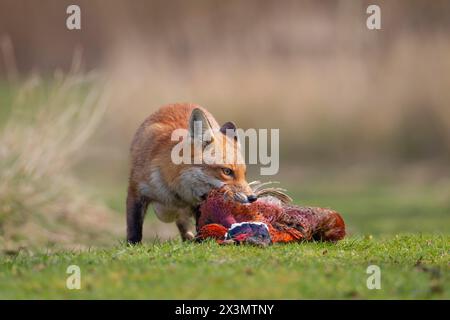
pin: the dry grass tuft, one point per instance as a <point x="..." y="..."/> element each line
<point x="40" y="201"/>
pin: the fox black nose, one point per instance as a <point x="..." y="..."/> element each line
<point x="252" y="198"/>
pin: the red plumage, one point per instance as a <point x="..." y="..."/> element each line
<point x="285" y="222"/>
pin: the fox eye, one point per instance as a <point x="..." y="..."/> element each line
<point x="227" y="171"/>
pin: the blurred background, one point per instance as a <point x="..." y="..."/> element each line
<point x="364" y="115"/>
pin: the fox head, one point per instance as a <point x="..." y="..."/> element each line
<point x="216" y="160"/>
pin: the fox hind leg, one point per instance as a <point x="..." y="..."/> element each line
<point x="136" y="209"/>
<point x="185" y="226"/>
<point x="182" y="218"/>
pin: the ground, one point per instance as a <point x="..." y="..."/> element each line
<point x="401" y="229"/>
<point x="412" y="266"/>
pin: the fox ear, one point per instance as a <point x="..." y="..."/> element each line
<point x="200" y="127"/>
<point x="228" y="126"/>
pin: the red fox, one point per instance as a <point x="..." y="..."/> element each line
<point x="175" y="190"/>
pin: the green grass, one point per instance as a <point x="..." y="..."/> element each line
<point x="402" y="229"/>
<point x="412" y="266"/>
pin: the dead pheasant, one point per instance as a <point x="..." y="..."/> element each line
<point x="268" y="220"/>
